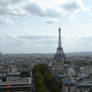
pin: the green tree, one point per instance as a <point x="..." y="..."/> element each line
<point x="49" y="79"/>
<point x="38" y="75"/>
<point x="54" y="88"/>
<point x="44" y="80"/>
<point x="40" y="82"/>
<point x="41" y="89"/>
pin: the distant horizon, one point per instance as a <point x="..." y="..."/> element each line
<point x="49" y="53"/>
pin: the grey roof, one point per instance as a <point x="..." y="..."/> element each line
<point x="69" y="81"/>
<point x="60" y="75"/>
<point x="13" y="74"/>
<point x="87" y="84"/>
<point x="3" y="71"/>
<point x="18" y="82"/>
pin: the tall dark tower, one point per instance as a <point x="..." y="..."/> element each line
<point x="59" y="56"/>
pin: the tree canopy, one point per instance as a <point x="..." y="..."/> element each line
<point x="44" y="81"/>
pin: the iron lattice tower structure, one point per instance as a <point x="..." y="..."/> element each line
<point x="59" y="56"/>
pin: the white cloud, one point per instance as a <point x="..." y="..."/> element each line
<point x="42" y="8"/>
<point x="6" y="20"/>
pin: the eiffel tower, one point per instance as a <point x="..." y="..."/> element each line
<point x="59" y="56"/>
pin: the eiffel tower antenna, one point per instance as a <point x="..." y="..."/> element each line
<point x="59" y="41"/>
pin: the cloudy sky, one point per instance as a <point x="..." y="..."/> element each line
<point x="30" y="26"/>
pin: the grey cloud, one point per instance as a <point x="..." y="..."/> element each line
<point x="48" y="42"/>
<point x="4" y="3"/>
<point x="34" y="9"/>
<point x="25" y="43"/>
<point x="12" y="44"/>
<point x="34" y="37"/>
<point x="30" y="8"/>
<point x="24" y="7"/>
<point x="4" y="7"/>
<point x="28" y="43"/>
<point x="52" y="13"/>
<point x="16" y="1"/>
<point x="39" y="39"/>
<point x="48" y="21"/>
<point x="4" y="11"/>
<point x="51" y="20"/>
<point x="71" y="7"/>
<point x="7" y="7"/>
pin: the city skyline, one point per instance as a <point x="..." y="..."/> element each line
<point x="31" y="26"/>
